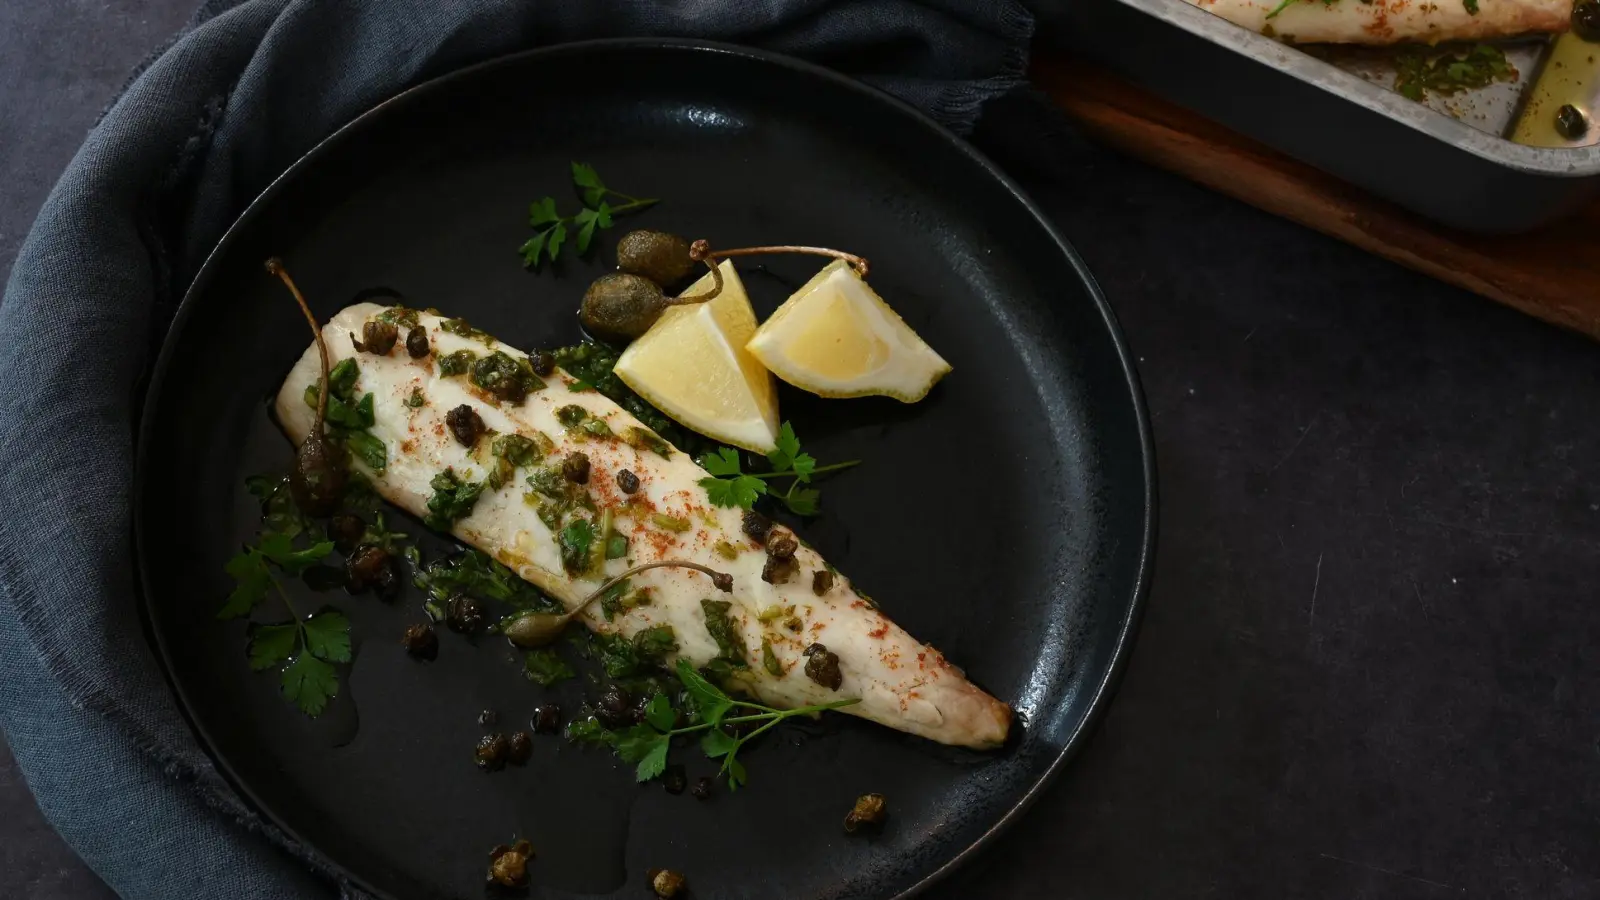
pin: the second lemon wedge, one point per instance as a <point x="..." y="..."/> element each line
<point x="693" y="366"/>
<point x="837" y="338"/>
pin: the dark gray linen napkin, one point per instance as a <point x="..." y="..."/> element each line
<point x="198" y="132"/>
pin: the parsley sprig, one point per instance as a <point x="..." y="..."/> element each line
<point x="731" y="486"/>
<point x="647" y="744"/>
<point x="311" y="645"/>
<point x="597" y="212"/>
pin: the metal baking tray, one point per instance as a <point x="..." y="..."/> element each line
<point x="1450" y="159"/>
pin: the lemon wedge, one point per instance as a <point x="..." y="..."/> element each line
<point x="837" y="338"/>
<point x="692" y="365"/>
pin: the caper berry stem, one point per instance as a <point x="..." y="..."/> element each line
<point x="722" y="580"/>
<point x="275" y="267"/>
<point x="538" y="629"/>
<point x="700" y="251"/>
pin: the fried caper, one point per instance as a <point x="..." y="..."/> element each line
<point x="378" y="337"/>
<point x="372" y="567"/>
<point x="870" y="810"/>
<point x="822" y="667"/>
<point x="666" y="883"/>
<point x="620" y="306"/>
<point x="659" y="256"/>
<point x="508" y="866"/>
<point x="1571" y="123"/>
<point x="490" y="753"/>
<point x="346" y="530"/>
<point x="421" y="642"/>
<point x="417" y="345"/>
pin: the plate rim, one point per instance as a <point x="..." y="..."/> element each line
<point x="1102" y="692"/>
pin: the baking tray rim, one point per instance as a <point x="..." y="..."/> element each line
<point x="1560" y="162"/>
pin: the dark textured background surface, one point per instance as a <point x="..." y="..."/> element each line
<point x="1363" y="671"/>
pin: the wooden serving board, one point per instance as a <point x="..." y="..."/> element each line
<point x="1552" y="273"/>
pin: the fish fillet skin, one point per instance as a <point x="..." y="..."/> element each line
<point x="899" y="681"/>
<point x="1394" y="21"/>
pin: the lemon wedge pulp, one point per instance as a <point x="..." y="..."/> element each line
<point x="692" y="365"/>
<point x="837" y="338"/>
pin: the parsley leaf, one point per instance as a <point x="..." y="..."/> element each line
<point x="740" y="492"/>
<point x="575" y="541"/>
<point x="589" y="731"/>
<point x="252" y="579"/>
<point x="788" y="456"/>
<point x="543" y="212"/>
<point x="724" y="630"/>
<point x="707" y="700"/>
<point x="733" y="488"/>
<point x="729" y="486"/>
<point x="723" y="462"/>
<point x="587" y="221"/>
<point x="452" y="499"/>
<point x="717" y="743"/>
<point x="654" y="643"/>
<point x="654" y="762"/>
<point x="647" y="744"/>
<point x="309" y="683"/>
<point x="803" y="502"/>
<point x="587" y="179"/>
<point x="597" y="212"/>
<point x="327" y="636"/>
<point x="545" y="668"/>
<point x="272" y="644"/>
<point x="660" y="714"/>
<point x="475" y="573"/>
<point x="278" y="549"/>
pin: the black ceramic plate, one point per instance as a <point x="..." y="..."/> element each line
<point x="1007" y="519"/>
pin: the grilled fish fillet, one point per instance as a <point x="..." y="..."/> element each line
<point x="900" y="682"/>
<point x="1394" y="21"/>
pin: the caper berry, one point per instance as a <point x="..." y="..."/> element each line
<point x="542" y="363"/>
<point x="656" y="255"/>
<point x="620" y="307"/>
<point x="319" y="476"/>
